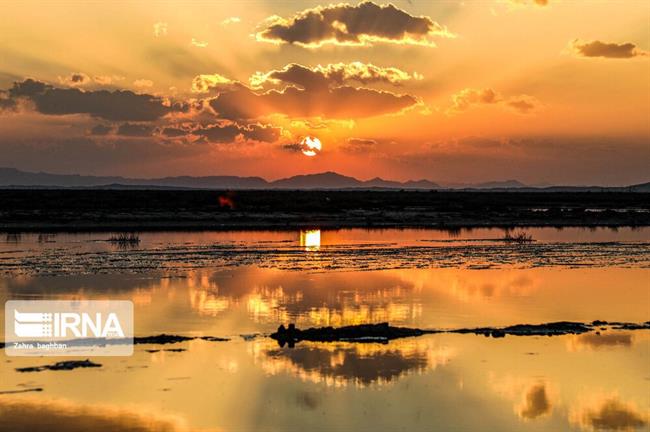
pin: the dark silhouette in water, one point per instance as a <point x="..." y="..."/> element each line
<point x="356" y="333"/>
<point x="383" y="332"/>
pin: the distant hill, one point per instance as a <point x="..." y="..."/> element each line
<point x="504" y="184"/>
<point x="13" y="178"/>
<point x="326" y="180"/>
<point x="332" y="180"/>
<point x="10" y="177"/>
<point x="643" y="187"/>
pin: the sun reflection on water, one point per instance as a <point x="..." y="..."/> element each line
<point x="310" y="240"/>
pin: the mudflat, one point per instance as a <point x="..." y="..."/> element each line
<point x="156" y="210"/>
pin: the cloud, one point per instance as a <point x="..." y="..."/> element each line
<point x="160" y="29"/>
<point x="262" y="133"/>
<point x="469" y="97"/>
<point x="101" y="129"/>
<point x="143" y="83"/>
<point x="523" y="104"/>
<point x="310" y="92"/>
<point x="361" y="142"/>
<point x="231" y="132"/>
<point x="340" y="102"/>
<point x="174" y="132"/>
<point x="198" y="43"/>
<point x="107" y="79"/>
<point x="118" y="105"/>
<point x="225" y="133"/>
<point x="6" y="103"/>
<point x="135" y="130"/>
<point x="204" y="83"/>
<point x="343" y="24"/>
<point x="359" y="145"/>
<point x="293" y="147"/>
<point x="606" y="50"/>
<point x="75" y="79"/>
<point x="231" y="20"/>
<point x="336" y="73"/>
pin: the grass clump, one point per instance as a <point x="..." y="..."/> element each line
<point x="518" y="237"/>
<point x="125" y="238"/>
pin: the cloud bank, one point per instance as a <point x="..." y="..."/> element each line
<point x="117" y="105"/>
<point x="343" y="24"/>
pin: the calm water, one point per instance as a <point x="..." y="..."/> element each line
<point x="243" y="283"/>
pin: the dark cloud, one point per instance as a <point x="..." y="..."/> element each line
<point x="292" y="147"/>
<point x="340" y="102"/>
<point x="6" y="103"/>
<point x="607" y="50"/>
<point x="230" y="132"/>
<point x="522" y="104"/>
<point x="345" y="24"/>
<point x="75" y="79"/>
<point x="79" y="78"/>
<point x="101" y="129"/>
<point x="174" y="132"/>
<point x="118" y="105"/>
<point x="262" y="133"/>
<point x="219" y="133"/>
<point x="359" y="145"/>
<point x="333" y="74"/>
<point x="361" y="142"/>
<point x="321" y="91"/>
<point x="135" y="130"/>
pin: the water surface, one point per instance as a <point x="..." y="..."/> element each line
<point x="231" y="284"/>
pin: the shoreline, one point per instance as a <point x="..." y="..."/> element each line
<point x="186" y="226"/>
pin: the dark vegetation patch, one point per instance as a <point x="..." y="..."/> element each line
<point x="140" y="210"/>
<point x="62" y="365"/>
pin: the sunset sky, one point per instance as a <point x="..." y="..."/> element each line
<point x="553" y="91"/>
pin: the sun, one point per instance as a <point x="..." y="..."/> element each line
<point x="310" y="146"/>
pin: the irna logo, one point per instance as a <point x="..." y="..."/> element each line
<point x="67" y="324"/>
<point x="65" y="328"/>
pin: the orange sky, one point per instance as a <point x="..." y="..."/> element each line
<point x="448" y="91"/>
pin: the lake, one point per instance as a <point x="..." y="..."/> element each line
<point x="242" y="285"/>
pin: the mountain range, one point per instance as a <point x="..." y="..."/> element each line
<point x="14" y="178"/>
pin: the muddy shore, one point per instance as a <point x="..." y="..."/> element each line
<point x="156" y="210"/>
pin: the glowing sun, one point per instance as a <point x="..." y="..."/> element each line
<point x="310" y="146"/>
